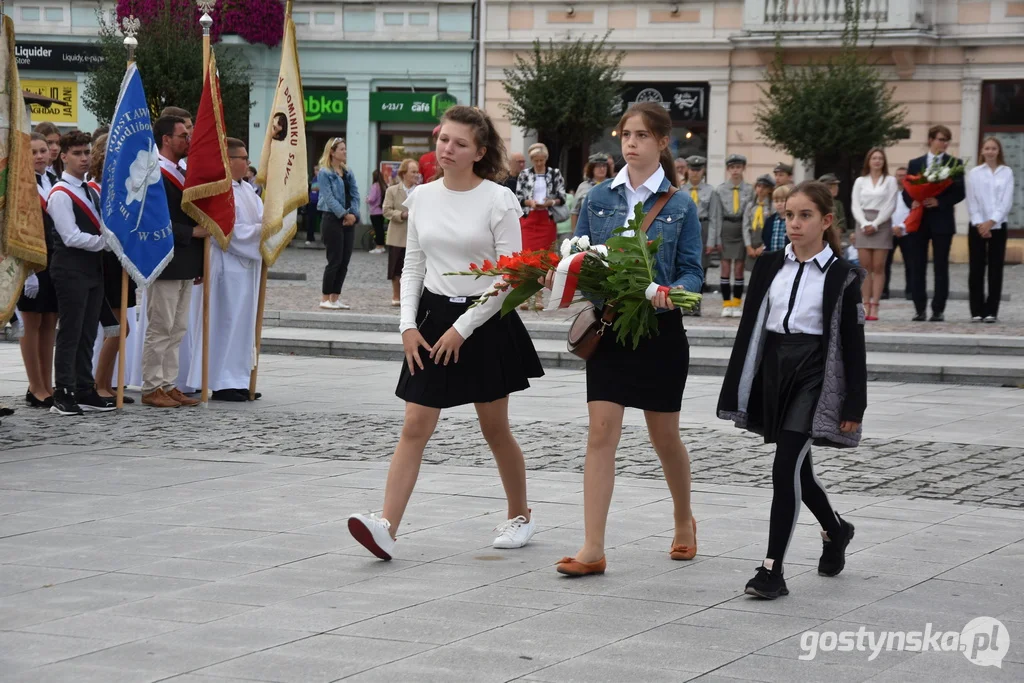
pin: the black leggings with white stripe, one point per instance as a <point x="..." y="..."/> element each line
<point x="793" y="480"/>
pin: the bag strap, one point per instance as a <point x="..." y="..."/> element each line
<point x="658" y="206"/>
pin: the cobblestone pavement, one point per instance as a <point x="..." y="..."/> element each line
<point x="367" y="291"/>
<point x="980" y="474"/>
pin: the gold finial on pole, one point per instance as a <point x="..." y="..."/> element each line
<point x="206" y="21"/>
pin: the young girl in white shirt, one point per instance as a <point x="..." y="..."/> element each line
<point x="989" y="199"/>
<point x="456" y="354"/>
<point x="798" y="375"/>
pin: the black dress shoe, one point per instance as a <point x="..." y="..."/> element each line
<point x="232" y="395"/>
<point x="920" y="318"/>
<point x="937" y="318"/>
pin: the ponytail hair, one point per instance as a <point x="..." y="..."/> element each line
<point x="659" y="124"/>
<point x="821" y="197"/>
<point x="493" y="166"/>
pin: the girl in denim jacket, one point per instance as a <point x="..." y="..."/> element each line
<point x="652" y="376"/>
<point x="339" y="204"/>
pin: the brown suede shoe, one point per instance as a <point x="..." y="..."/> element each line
<point x="182" y="398"/>
<point x="159" y="399"/>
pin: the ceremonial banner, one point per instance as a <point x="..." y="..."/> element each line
<point x="283" y="172"/>
<point x="22" y="240"/>
<point x="133" y="205"/>
<point x="208" y="197"/>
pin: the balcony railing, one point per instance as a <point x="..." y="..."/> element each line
<point x="791" y="16"/>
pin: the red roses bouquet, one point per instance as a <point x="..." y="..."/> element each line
<point x="932" y="182"/>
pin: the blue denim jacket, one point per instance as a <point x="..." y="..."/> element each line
<point x="678" y="262"/>
<point x="332" y="193"/>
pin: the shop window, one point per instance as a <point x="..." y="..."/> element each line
<point x="300" y="18"/>
<point x="30" y="14"/>
<point x="394" y="19"/>
<point x="54" y="14"/>
<point x="419" y="19"/>
<point x="1002" y="117"/>
<point x="324" y="18"/>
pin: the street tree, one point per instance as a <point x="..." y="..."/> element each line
<point x="566" y="93"/>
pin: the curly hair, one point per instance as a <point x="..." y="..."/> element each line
<point x="75" y="138"/>
<point x="493" y="165"/>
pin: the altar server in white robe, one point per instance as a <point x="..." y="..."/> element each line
<point x="234" y="288"/>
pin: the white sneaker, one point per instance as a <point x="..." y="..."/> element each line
<point x="726" y="311"/>
<point x="977" y="319"/>
<point x="340" y="306"/>
<point x="328" y="306"/>
<point x="374" y="533"/>
<point x="514" y="533"/>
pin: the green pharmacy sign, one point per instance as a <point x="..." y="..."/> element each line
<point x="326" y="105"/>
<point x="409" y="107"/>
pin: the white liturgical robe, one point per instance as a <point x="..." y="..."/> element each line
<point x="234" y="288"/>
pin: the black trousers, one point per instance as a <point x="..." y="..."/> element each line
<point x="339" y="240"/>
<point x="904" y="246"/>
<point x="309" y="218"/>
<point x="985" y="254"/>
<point x="793" y="481"/>
<point x="919" y="268"/>
<point x="378" y="229"/>
<point x="79" y="301"/>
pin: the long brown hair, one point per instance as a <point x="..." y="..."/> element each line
<point x="1000" y="161"/>
<point x="866" y="170"/>
<point x="659" y="123"/>
<point x="493" y="165"/>
<point x="821" y="197"/>
<point x="99" y="156"/>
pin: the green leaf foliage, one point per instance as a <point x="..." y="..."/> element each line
<point x="170" y="60"/>
<point x="565" y="92"/>
<point x="519" y="295"/>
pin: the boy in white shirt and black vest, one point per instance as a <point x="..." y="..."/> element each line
<point x="77" y="271"/>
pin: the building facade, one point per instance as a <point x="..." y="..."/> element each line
<point x="954" y="62"/>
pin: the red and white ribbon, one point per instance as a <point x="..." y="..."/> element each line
<point x="567" y="274"/>
<point x="653" y="289"/>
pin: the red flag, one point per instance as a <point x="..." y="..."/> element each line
<point x="208" y="197"/>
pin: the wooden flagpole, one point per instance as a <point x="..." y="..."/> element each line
<point x="262" y="301"/>
<point x="206" y="21"/>
<point x="130" y="27"/>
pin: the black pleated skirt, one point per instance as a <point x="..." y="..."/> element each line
<point x="792" y="370"/>
<point x="43" y="302"/>
<point x="112" y="282"/>
<point x="498" y="358"/>
<point x="651" y="377"/>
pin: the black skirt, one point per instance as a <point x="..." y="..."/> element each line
<point x="112" y="282"/>
<point x="651" y="377"/>
<point x="496" y="360"/>
<point x="43" y="302"/>
<point x="792" y="370"/>
<point x="396" y="261"/>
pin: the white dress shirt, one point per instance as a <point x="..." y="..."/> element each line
<point x="899" y="216"/>
<point x="449" y="230"/>
<point x="61" y="210"/>
<point x="175" y="169"/>
<point x="640" y="194"/>
<point x="796" y="294"/>
<point x="989" y="194"/>
<point x="880" y="197"/>
<point x="43" y="184"/>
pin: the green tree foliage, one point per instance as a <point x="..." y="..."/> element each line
<point x="565" y="93"/>
<point x="170" y="59"/>
<point x="836" y="109"/>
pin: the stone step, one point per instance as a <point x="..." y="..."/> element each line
<point x="988" y="369"/>
<point x="699" y="336"/>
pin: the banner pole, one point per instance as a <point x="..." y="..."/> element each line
<point x="130" y="28"/>
<point x="260" y="306"/>
<point x="206" y="21"/>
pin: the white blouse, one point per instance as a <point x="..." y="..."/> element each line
<point x="989" y="194"/>
<point x="540" y="188"/>
<point x="796" y="295"/>
<point x="868" y="196"/>
<point x="448" y="230"/>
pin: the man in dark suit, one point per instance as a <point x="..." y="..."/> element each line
<point x="937" y="226"/>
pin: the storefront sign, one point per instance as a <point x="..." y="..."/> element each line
<point x="65" y="91"/>
<point x="409" y="107"/>
<point x="326" y="105"/>
<point x="57" y="56"/>
<point x="683" y="101"/>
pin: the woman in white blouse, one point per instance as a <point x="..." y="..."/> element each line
<point x="873" y="203"/>
<point x="457" y="353"/>
<point x="989" y="198"/>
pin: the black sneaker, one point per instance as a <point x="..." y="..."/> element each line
<point x="767" y="584"/>
<point x="233" y="395"/>
<point x="833" y="551"/>
<point x="91" y="402"/>
<point x="64" y="403"/>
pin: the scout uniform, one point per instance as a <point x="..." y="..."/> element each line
<point x="701" y="196"/>
<point x="756" y="217"/>
<point x="726" y="230"/>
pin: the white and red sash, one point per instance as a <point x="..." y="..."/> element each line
<point x="90" y="211"/>
<point x="173" y="178"/>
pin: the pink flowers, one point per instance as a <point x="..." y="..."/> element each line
<point x="255" y="21"/>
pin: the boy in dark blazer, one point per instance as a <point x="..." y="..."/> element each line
<point x="937" y="226"/>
